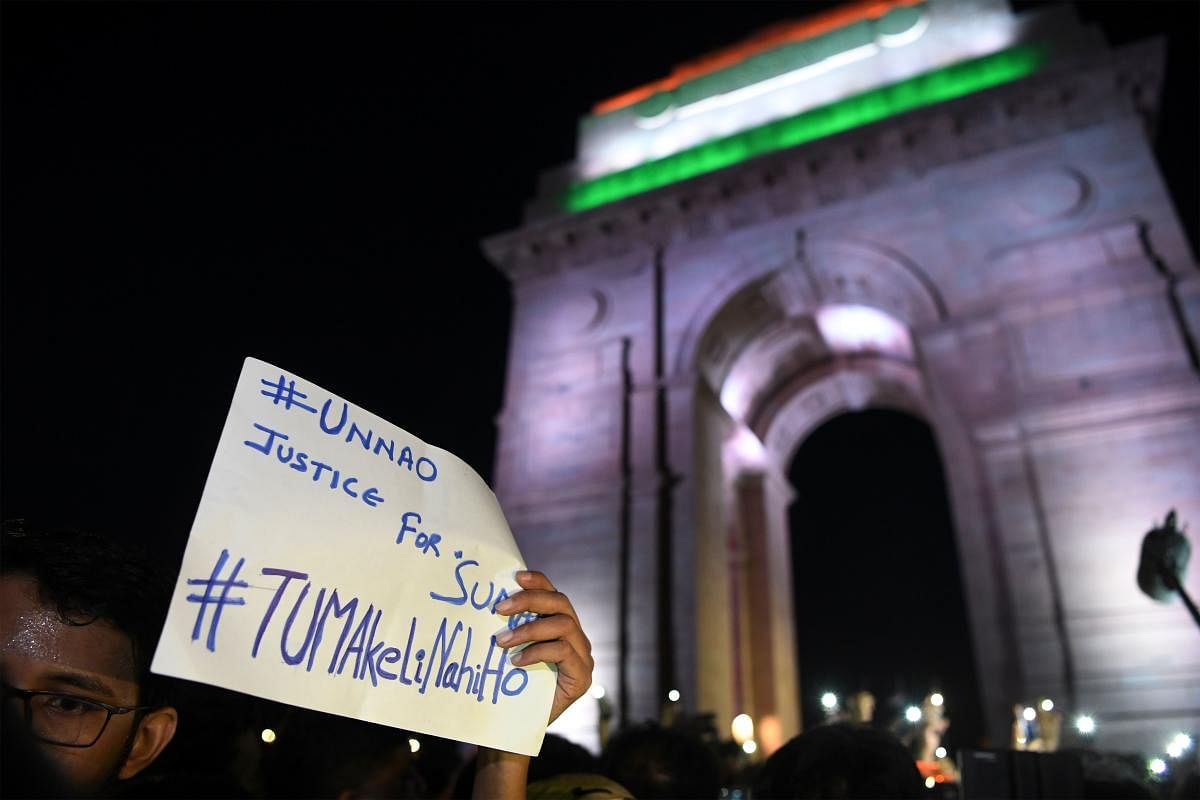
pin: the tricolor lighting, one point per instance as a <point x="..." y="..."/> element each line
<point x="936" y="86"/>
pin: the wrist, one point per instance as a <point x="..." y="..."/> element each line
<point x="500" y="774"/>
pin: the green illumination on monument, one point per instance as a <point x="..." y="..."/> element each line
<point x="927" y="89"/>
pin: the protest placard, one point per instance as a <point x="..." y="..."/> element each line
<point x="340" y="564"/>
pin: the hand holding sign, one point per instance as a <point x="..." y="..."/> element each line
<point x="557" y="636"/>
<point x="338" y="563"/>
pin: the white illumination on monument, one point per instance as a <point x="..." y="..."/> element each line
<point x="853" y="328"/>
<point x="735" y="97"/>
<point x="904" y="37"/>
<point x="747" y="449"/>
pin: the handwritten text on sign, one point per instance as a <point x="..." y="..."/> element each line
<point x="340" y="564"/>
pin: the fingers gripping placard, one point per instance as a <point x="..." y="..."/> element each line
<point x="340" y="564"/>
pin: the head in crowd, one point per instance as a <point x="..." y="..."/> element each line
<point x="558" y="756"/>
<point x="79" y="619"/>
<point x="653" y="762"/>
<point x="327" y="756"/>
<point x="839" y="761"/>
<point x="577" y="786"/>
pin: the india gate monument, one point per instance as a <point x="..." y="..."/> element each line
<point x="938" y="207"/>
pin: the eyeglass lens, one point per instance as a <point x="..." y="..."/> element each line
<point x="62" y="719"/>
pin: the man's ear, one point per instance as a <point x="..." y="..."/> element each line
<point x="155" y="731"/>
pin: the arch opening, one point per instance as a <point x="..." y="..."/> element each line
<point x="877" y="588"/>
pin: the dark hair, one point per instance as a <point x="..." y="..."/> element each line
<point x="656" y="762"/>
<point x="840" y="761"/>
<point x="85" y="578"/>
<point x="323" y="755"/>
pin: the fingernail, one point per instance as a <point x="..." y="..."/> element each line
<point x="522" y="574"/>
<point x="504" y="605"/>
<point x="504" y="638"/>
<point x="517" y="658"/>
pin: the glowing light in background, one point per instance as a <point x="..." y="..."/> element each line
<point x="673" y="695"/>
<point x="268" y="735"/>
<point x="770" y="734"/>
<point x="930" y="782"/>
<point x="940" y="752"/>
<point x="414" y="745"/>
<point x="749" y="746"/>
<point x="1085" y="725"/>
<point x="1029" y="714"/>
<point x="912" y="714"/>
<point x="936" y="699"/>
<point x="597" y="691"/>
<point x="1178" y="745"/>
<point x="927" y="89"/>
<point x="742" y="728"/>
<point x="1156" y="766"/>
<point x="853" y="328"/>
<point x="1047" y="704"/>
<point x="829" y="701"/>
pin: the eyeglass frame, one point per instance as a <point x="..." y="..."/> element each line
<point x="28" y="694"/>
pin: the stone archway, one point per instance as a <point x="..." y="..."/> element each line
<point x="796" y="354"/>
<point x="667" y="347"/>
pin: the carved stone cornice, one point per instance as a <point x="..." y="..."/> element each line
<point x="843" y="167"/>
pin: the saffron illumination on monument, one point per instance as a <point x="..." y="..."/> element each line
<point x="938" y="207"/>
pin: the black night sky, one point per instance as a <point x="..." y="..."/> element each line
<point x="187" y="184"/>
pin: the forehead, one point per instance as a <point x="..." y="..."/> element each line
<point x="34" y="639"/>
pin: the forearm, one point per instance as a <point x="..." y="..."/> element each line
<point x="500" y="775"/>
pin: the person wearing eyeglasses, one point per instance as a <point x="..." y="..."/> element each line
<point x="79" y="618"/>
<point x="78" y="622"/>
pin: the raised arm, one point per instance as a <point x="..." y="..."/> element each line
<point x="557" y="639"/>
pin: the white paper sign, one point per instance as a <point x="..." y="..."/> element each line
<point x="341" y="564"/>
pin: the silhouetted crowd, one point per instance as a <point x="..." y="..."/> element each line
<point x="84" y="716"/>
